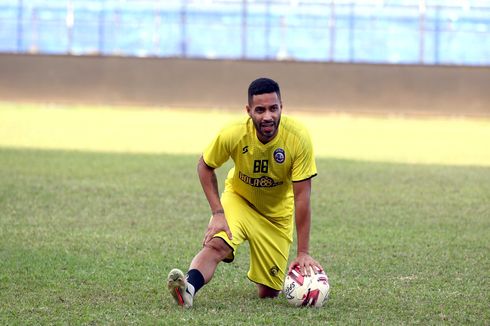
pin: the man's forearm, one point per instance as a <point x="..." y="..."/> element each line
<point x="303" y="222"/>
<point x="302" y="192"/>
<point x="209" y="184"/>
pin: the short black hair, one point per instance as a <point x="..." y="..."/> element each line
<point x="263" y="86"/>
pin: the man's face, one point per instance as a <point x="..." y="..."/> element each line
<point x="265" y="112"/>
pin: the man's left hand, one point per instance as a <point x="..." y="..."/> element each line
<point x="305" y="263"/>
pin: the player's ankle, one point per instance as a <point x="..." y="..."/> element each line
<point x="195" y="281"/>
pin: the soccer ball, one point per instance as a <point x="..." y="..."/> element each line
<point x="306" y="290"/>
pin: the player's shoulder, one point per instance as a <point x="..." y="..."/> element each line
<point x="294" y="126"/>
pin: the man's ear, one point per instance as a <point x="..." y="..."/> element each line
<point x="248" y="109"/>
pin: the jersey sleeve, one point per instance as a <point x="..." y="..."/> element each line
<point x="304" y="165"/>
<point x="218" y="151"/>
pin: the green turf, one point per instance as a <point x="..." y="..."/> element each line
<point x="88" y="238"/>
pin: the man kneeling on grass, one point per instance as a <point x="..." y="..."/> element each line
<point x="274" y="165"/>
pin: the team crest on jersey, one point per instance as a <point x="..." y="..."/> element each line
<point x="274" y="271"/>
<point x="279" y="155"/>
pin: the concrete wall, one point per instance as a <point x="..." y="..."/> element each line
<point x="223" y="84"/>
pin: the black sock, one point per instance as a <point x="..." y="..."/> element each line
<point x="195" y="278"/>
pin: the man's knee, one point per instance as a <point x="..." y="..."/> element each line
<point x="267" y="292"/>
<point x="219" y="248"/>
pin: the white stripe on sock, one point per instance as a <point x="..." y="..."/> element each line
<point x="190" y="289"/>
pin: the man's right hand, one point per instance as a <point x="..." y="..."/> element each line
<point x="217" y="224"/>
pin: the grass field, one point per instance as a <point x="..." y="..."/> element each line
<point x="96" y="205"/>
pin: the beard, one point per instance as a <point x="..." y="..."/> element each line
<point x="267" y="130"/>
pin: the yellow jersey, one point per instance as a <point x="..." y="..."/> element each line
<point x="263" y="173"/>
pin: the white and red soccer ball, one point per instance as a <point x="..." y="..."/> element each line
<point x="303" y="290"/>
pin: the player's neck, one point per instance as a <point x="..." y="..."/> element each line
<point x="266" y="140"/>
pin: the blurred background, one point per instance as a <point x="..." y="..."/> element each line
<point x="371" y="56"/>
<point x="450" y="32"/>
